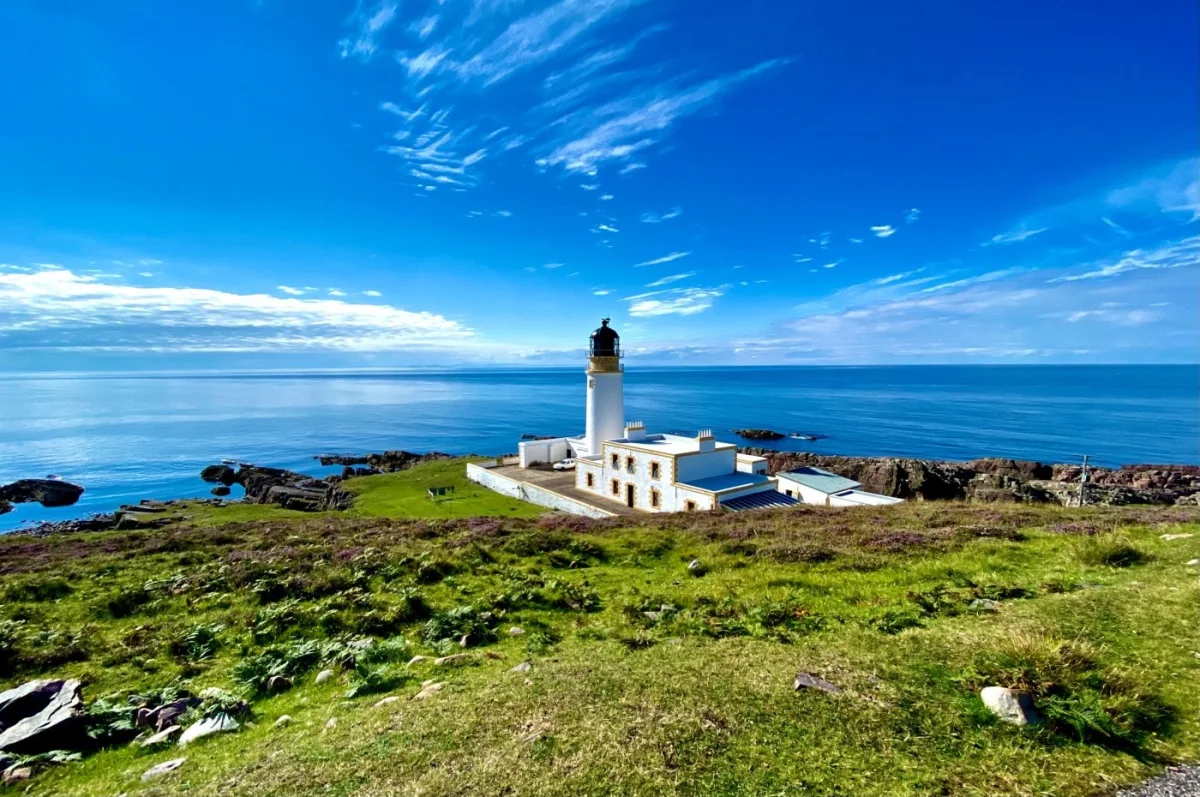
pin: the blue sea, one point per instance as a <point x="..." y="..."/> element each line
<point x="147" y="436"/>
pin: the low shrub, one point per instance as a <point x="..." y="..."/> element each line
<point x="477" y="625"/>
<point x="199" y="642"/>
<point x="1109" y="550"/>
<point x="38" y="589"/>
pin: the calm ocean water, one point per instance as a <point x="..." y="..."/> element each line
<point x="131" y="437"/>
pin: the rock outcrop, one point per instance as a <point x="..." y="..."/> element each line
<point x="1001" y="480"/>
<point x="759" y="434"/>
<point x="386" y="462"/>
<point x="47" y="492"/>
<point x="286" y="488"/>
<point x="41" y="716"/>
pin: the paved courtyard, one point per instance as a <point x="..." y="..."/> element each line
<point x="563" y="483"/>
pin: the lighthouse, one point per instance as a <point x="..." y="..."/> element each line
<point x="605" y="389"/>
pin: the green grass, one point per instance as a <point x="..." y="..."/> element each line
<point x="646" y="679"/>
<point x="403" y="494"/>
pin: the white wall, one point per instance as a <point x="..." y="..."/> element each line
<point x="534" y="452"/>
<point x="801" y="492"/>
<point x="710" y="463"/>
<point x="704" y="501"/>
<point x="532" y="493"/>
<point x="640" y="478"/>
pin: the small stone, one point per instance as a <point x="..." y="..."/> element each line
<point x="522" y="667"/>
<point x="162" y="769"/>
<point x="163" y="736"/>
<point x="428" y="691"/>
<point x="283" y="721"/>
<point x="331" y="724"/>
<point x="806" y="680"/>
<point x="465" y="641"/>
<point x="516" y="630"/>
<point x="416" y="660"/>
<point x="1193" y="562"/>
<point x="427" y="683"/>
<point x="983" y="605"/>
<point x="323" y="676"/>
<point x="1012" y="707"/>
<point x="453" y="660"/>
<point x="697" y="568"/>
<point x="1169" y="537"/>
<point x="14" y="775"/>
<point x="387" y="701"/>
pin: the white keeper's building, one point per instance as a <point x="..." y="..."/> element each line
<point x="620" y="462"/>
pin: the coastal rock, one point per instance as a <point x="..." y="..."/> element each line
<point x="219" y="473"/>
<point x="428" y="691"/>
<point x="386" y="462"/>
<point x="992" y="480"/>
<point x="1012" y="707"/>
<point x="47" y="492"/>
<point x="58" y="725"/>
<point x="15" y="775"/>
<point x="759" y="434"/>
<point x="26" y="700"/>
<point x="220" y="490"/>
<point x="5" y="507"/>
<point x="323" y="676"/>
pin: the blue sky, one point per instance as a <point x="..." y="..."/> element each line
<point x="241" y="184"/>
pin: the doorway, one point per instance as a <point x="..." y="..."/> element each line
<point x="629" y="495"/>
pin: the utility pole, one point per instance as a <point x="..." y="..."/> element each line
<point x="1083" y="478"/>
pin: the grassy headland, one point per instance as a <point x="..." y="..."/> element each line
<point x="646" y="676"/>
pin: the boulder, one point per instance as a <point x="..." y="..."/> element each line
<point x="158" y="770"/>
<point x="453" y="660"/>
<point x="219" y="473"/>
<point x="5" y="507"/>
<point x="283" y="721"/>
<point x="1012" y="707"/>
<point x="323" y="676"/>
<point x="806" y="680"/>
<point x="522" y="667"/>
<point x="387" y="701"/>
<point x="983" y="605"/>
<point x="47" y="492"/>
<point x="386" y="462"/>
<point x="26" y="700"/>
<point x="516" y="630"/>
<point x="15" y="775"/>
<point x="279" y="683"/>
<point x="220" y="490"/>
<point x="58" y="725"/>
<point x="759" y="434"/>
<point x="217" y="723"/>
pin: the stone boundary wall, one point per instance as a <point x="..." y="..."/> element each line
<point x="532" y="493"/>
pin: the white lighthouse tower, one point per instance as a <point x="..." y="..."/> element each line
<point x="605" y="390"/>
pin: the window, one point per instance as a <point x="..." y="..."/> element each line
<point x="655" y="499"/>
<point x="616" y="461"/>
<point x="629" y="464"/>
<point x="616" y="487"/>
<point x="691" y="506"/>
<point x="790" y="494"/>
<point x="591" y="481"/>
<point x="655" y="470"/>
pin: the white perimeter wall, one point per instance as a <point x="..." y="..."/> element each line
<point x="533" y="452"/>
<point x="532" y="493"/>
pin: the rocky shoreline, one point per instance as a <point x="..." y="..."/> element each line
<point x="992" y="480"/>
<point x="987" y="480"/>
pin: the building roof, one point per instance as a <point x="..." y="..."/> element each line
<point x="818" y="479"/>
<point x="750" y="457"/>
<point x="767" y="499"/>
<point x="666" y="444"/>
<point x="727" y="481"/>
<point x="867" y="499"/>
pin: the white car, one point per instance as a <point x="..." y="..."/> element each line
<point x="565" y="464"/>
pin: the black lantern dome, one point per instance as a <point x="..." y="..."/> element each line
<point x="605" y="341"/>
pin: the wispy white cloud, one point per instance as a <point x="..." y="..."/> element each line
<point x="674" y="301"/>
<point x="604" y="228"/>
<point x="374" y="294"/>
<point x="1175" y="191"/>
<point x="623" y="127"/>
<point x="57" y="308"/>
<point x="369" y="25"/>
<point x="601" y="292"/>
<point x="336" y="292"/>
<point x="1180" y="254"/>
<point x="912" y="215"/>
<point x="423" y="27"/>
<point x="588" y="186"/>
<point x="834" y="264"/>
<point x="1114" y="226"/>
<point x="631" y="167"/>
<point x="606" y="197"/>
<point x="658" y="283"/>
<point x="1014" y="236"/>
<point x="290" y="290"/>
<point x="553" y="265"/>
<point x="883" y="230"/>
<point x="664" y="259"/>
<point x="655" y="218"/>
<point x="503" y="214"/>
